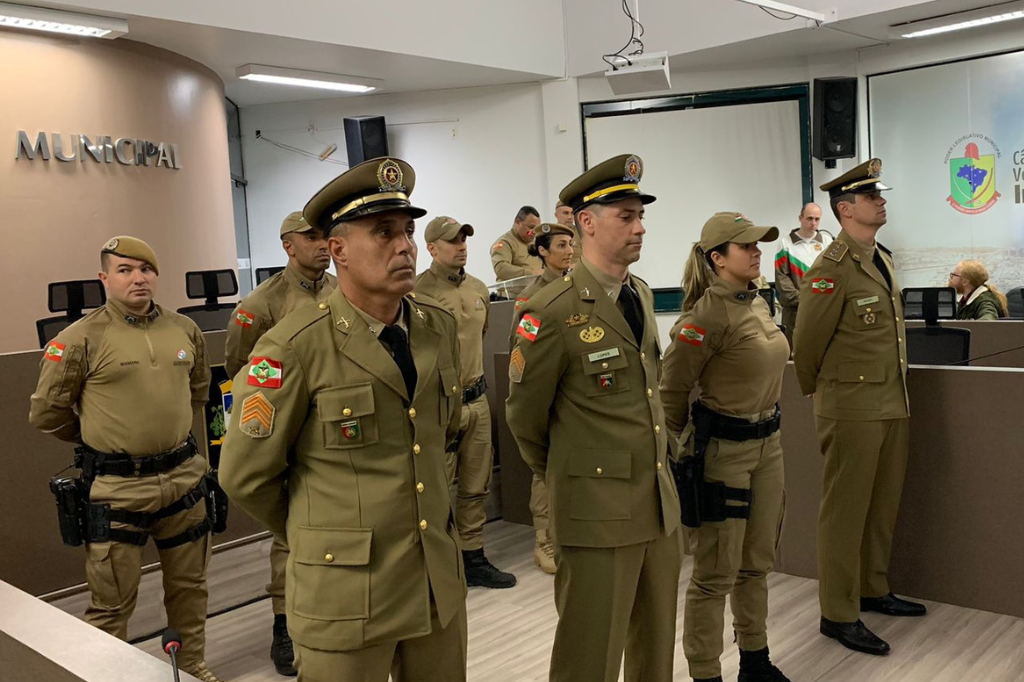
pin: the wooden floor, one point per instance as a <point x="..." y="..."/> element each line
<point x="510" y="631"/>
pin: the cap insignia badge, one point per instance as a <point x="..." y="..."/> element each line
<point x="633" y="170"/>
<point x="389" y="176"/>
<point x="111" y="245"/>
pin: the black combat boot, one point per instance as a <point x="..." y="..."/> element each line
<point x="481" y="573"/>
<point x="281" y="651"/>
<point x="756" y="667"/>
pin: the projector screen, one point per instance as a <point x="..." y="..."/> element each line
<point x="952" y="145"/>
<point x="742" y="158"/>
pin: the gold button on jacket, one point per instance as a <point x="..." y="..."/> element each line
<point x="340" y="442"/>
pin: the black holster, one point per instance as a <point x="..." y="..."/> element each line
<point x="216" y="503"/>
<point x="72" y="496"/>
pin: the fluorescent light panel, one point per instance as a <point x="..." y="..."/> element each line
<point x="58" y="21"/>
<point x="986" y="16"/>
<point x="306" y="79"/>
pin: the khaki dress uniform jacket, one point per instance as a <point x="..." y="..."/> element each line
<point x="585" y="411"/>
<point x="729" y="346"/>
<point x="468" y="300"/>
<point x="510" y="257"/>
<point x="850" y="352"/>
<point x="254" y="316"/>
<point x="375" y="556"/>
<point x="128" y="384"/>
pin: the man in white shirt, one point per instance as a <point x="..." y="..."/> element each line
<point x="797" y="252"/>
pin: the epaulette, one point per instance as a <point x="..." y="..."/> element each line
<point x="416" y="298"/>
<point x="296" y="321"/>
<point x="836" y="251"/>
<point x="550" y="292"/>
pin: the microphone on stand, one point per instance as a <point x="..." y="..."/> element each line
<point x="172" y="645"/>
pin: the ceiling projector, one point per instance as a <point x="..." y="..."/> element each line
<point x="645" y="72"/>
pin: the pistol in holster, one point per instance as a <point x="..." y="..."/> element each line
<point x="216" y="503"/>
<point x="72" y="496"/>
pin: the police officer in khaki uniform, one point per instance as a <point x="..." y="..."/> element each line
<point x="563" y="216"/>
<point x="851" y="356"/>
<point x="126" y="383"/>
<point x="727" y="344"/>
<point x="467" y="298"/>
<point x="338" y="440"/>
<point x="510" y="257"/>
<point x="304" y="281"/>
<point x="553" y="245"/>
<point x="585" y="411"/>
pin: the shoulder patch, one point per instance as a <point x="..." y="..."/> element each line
<point x="528" y="328"/>
<point x="836" y="251"/>
<point x="244" y="318"/>
<point x="257" y="418"/>
<point x="516" y="365"/>
<point x="692" y="334"/>
<point x="266" y="373"/>
<point x="500" y="244"/>
<point x="54" y="351"/>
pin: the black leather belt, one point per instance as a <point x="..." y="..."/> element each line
<point x="475" y="391"/>
<point x="733" y="428"/>
<point x="94" y="463"/>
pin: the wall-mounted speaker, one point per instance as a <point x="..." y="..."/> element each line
<point x="834" y="124"/>
<point x="365" y="138"/>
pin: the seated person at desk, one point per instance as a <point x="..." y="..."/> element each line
<point x="509" y="255"/>
<point x="979" y="300"/>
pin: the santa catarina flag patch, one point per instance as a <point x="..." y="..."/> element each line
<point x="528" y="328"/>
<point x="266" y="373"/>
<point x="823" y="286"/>
<point x="692" y="334"/>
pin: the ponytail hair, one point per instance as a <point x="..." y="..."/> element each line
<point x="976" y="274"/>
<point x="699" y="273"/>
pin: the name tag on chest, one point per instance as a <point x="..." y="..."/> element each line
<point x="603" y="355"/>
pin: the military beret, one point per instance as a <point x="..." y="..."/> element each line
<point x="861" y="180"/>
<point x="613" y="180"/>
<point x="295" y="223"/>
<point x="737" y="228"/>
<point x="446" y="229"/>
<point x="552" y="229"/>
<point x="374" y="186"/>
<point x="132" y="247"/>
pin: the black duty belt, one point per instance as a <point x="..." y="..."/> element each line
<point x="94" y="463"/>
<point x="475" y="391"/>
<point x="733" y="428"/>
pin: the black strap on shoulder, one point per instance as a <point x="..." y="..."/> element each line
<point x="191" y="535"/>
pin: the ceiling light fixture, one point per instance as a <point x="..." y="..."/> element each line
<point x="985" y="16"/>
<point x="307" y="79"/>
<point x="59" y="21"/>
<point x="772" y="6"/>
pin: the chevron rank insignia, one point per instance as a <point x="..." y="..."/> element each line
<point x="257" y="419"/>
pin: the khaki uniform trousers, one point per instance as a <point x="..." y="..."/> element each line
<point x="865" y="462"/>
<point x="615" y="600"/>
<point x="539" y="504"/>
<point x="113" y="569"/>
<point x="789" y="322"/>
<point x="278" y="563"/>
<point x="473" y="463"/>
<point x="733" y="557"/>
<point x="437" y="657"/>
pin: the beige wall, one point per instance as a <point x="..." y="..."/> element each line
<point x="54" y="216"/>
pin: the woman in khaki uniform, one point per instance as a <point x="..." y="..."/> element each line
<point x="554" y="248"/>
<point x="726" y="344"/>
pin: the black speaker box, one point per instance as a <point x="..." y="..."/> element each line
<point x="834" y="123"/>
<point x="365" y="138"/>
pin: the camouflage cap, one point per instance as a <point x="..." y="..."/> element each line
<point x="132" y="247"/>
<point x="613" y="180"/>
<point x="295" y="223"/>
<point x="445" y="228"/>
<point x="861" y="180"/>
<point x="736" y="228"/>
<point x="374" y="186"/>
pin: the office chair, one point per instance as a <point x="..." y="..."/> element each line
<point x="72" y="298"/>
<point x="934" y="345"/>
<point x="210" y="285"/>
<point x="1015" y="302"/>
<point x="930" y="304"/>
<point x="263" y="274"/>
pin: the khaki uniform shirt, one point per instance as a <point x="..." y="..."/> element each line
<point x="468" y="300"/>
<point x="121" y="383"/>
<point x="326" y="447"/>
<point x="850" y="346"/>
<point x="265" y="306"/>
<point x="585" y="411"/>
<point x="728" y="346"/>
<point x="510" y="257"/>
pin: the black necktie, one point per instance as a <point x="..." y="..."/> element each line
<point x="395" y="339"/>
<point x="880" y="264"/>
<point x="632" y="312"/>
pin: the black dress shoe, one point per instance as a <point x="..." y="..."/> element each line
<point x="891" y="605"/>
<point x="855" y="636"/>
